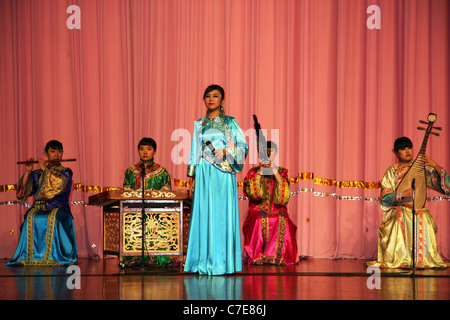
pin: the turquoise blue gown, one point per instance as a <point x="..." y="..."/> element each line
<point x="214" y="244"/>
<point x="48" y="234"/>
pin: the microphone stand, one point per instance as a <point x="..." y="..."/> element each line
<point x="413" y="226"/>
<point x="143" y="213"/>
<point x="413" y="238"/>
<point x="143" y="218"/>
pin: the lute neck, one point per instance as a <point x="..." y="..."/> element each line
<point x="424" y="142"/>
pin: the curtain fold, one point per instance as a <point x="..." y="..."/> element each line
<point x="333" y="93"/>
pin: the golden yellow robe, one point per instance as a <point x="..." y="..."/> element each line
<point x="395" y="234"/>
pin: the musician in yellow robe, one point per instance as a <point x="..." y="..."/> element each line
<point x="395" y="232"/>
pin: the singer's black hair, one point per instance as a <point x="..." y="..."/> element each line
<point x="212" y="88"/>
<point x="147" y="142"/>
<point x="54" y="144"/>
<point x="402" y="143"/>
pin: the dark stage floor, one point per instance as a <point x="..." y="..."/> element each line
<point x="311" y="279"/>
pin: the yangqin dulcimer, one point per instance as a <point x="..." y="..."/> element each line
<point x="416" y="172"/>
<point x="112" y="196"/>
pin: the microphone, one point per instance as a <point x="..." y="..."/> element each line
<point x="413" y="183"/>
<point x="210" y="146"/>
<point x="143" y="171"/>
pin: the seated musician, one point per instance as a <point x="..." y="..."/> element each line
<point x="269" y="233"/>
<point x="47" y="234"/>
<point x="155" y="177"/>
<point x="395" y="231"/>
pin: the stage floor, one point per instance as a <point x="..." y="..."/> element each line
<point x="310" y="279"/>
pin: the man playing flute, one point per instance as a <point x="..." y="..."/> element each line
<point x="48" y="233"/>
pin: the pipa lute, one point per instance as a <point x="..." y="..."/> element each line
<point x="417" y="169"/>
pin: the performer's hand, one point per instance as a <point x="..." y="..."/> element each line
<point x="430" y="162"/>
<point x="408" y="193"/>
<point x="271" y="165"/>
<point x="29" y="165"/>
<point x="42" y="164"/>
<point x="268" y="167"/>
<point x="191" y="187"/>
<point x="274" y="168"/>
<point x="264" y="164"/>
<point x="220" y="154"/>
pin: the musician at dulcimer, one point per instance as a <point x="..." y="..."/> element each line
<point x="48" y="234"/>
<point x="155" y="177"/>
<point x="395" y="233"/>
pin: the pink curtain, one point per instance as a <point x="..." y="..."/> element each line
<point x="333" y="92"/>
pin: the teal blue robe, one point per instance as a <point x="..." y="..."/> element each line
<point x="214" y="244"/>
<point x="48" y="233"/>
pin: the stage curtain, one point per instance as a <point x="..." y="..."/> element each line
<point x="334" y="82"/>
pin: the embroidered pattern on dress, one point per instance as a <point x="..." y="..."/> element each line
<point x="419" y="239"/>
<point x="30" y="234"/>
<point x="444" y="185"/>
<point x="48" y="239"/>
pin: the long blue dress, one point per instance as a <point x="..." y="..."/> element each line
<point x="214" y="244"/>
<point x="48" y="234"/>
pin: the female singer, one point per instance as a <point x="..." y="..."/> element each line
<point x="214" y="245"/>
<point x="48" y="233"/>
<point x="395" y="231"/>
